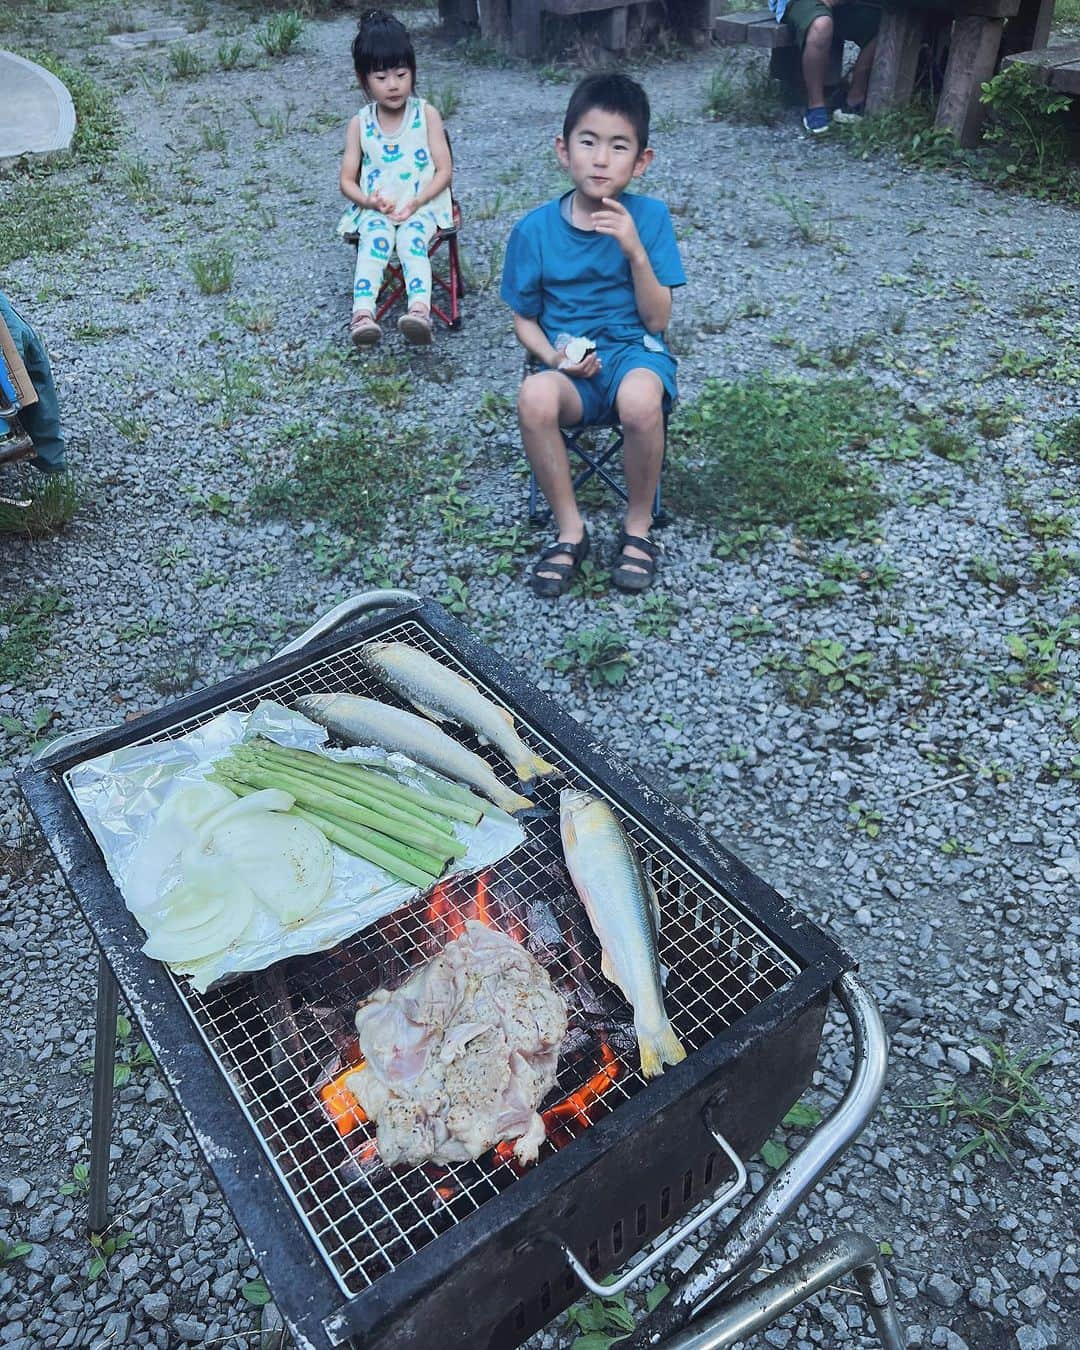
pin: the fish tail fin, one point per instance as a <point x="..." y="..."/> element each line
<point x="517" y="804"/>
<point x="658" y="1048"/>
<point x="530" y="767"/>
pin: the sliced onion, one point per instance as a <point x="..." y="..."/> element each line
<point x="173" y="831"/>
<point x="287" y="862"/>
<point x="178" y="946"/>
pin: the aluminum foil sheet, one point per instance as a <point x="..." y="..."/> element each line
<point x="121" y="793"/>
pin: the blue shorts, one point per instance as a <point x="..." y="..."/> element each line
<point x="616" y="362"/>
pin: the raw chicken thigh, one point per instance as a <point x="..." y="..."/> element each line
<point x="462" y="1054"/>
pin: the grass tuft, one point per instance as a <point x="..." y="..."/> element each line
<point x="213" y="270"/>
<point x="352" y="475"/>
<point x="750" y="96"/>
<point x="767" y="451"/>
<point x="280" y="33"/>
<point x="53" y="500"/>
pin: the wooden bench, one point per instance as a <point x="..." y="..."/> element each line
<point x="758" y="28"/>
<point x="692" y="19"/>
<point x="1059" y="67"/>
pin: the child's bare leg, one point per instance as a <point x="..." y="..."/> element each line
<point x="545" y="402"/>
<point x="815" y="60"/>
<point x="860" y="74"/>
<point x="640" y="405"/>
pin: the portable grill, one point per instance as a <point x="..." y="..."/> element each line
<point x="484" y="1253"/>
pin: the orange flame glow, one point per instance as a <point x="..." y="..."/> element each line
<point x="575" y="1109"/>
<point x="340" y="1105"/>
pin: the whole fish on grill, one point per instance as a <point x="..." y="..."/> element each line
<point x="625" y="916"/>
<point x="366" y="721"/>
<point x="442" y="694"/>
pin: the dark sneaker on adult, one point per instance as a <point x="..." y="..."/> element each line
<point x="816" y="120"/>
<point x="849" y="112"/>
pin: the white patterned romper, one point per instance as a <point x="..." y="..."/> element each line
<point x="398" y="166"/>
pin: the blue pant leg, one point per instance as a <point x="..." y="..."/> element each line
<point x="41" y="419"/>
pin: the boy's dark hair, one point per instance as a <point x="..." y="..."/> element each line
<point x="382" y="43"/>
<point x="613" y="93"/>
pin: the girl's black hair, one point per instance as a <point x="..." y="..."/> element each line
<point x="382" y="43"/>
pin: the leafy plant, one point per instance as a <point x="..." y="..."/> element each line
<point x="864" y="820"/>
<point x="389" y="391"/>
<point x="79" y="1183"/>
<point x="1037" y="653"/>
<point x="948" y="444"/>
<point x="990" y="573"/>
<point x="836" y="668"/>
<point x="280" y="33"/>
<point x="130" y="1055"/>
<point x="456" y="598"/>
<point x="813" y="592"/>
<point x="802" y="1116"/>
<point x="104" y="1249"/>
<point x="743" y="627"/>
<point x="602" y="651"/>
<point x="256" y="1293"/>
<point x="1052" y="566"/>
<point x="1026" y="125"/>
<point x="25" y="624"/>
<point x="213" y="269"/>
<point x="1010" y="1100"/>
<point x="1063" y="445"/>
<point x="805" y="219"/>
<point x="13" y="1251"/>
<point x="769" y="451"/>
<point x="460" y="511"/>
<point x="657" y="615"/>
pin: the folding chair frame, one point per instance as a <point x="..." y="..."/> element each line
<point x="595" y="466"/>
<point x="453" y="284"/>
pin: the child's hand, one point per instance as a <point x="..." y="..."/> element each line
<point x="403" y="212"/>
<point x="579" y="370"/>
<point x="617" y="221"/>
<point x="377" y="202"/>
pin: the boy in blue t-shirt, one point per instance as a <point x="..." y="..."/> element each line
<point x="600" y="265"/>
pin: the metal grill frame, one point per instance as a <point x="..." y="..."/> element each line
<point x="304" y="1287"/>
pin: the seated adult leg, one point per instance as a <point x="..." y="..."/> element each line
<point x="815" y="59"/>
<point x="546" y="402"/>
<point x="640" y="407"/>
<point x="858" y="23"/>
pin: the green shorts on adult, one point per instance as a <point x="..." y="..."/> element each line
<point x="853" y="22"/>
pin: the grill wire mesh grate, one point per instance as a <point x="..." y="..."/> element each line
<point x="278" y="1036"/>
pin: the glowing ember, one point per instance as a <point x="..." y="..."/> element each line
<point x="340" y="1105"/>
<point x="573" y="1110"/>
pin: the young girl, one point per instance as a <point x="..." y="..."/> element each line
<point x="396" y="172"/>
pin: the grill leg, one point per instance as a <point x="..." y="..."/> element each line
<point x="101" y="1128"/>
<point x="760" y="1305"/>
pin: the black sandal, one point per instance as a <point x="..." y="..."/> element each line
<point x="550" y="587"/>
<point x="634" y="574"/>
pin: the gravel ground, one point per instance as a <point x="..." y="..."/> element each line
<point x="961" y="908"/>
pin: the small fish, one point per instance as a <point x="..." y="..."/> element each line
<point x="625" y="916"/>
<point x="366" y="721"/>
<point x="442" y="694"/>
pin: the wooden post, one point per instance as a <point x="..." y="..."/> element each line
<point x="895" y="59"/>
<point x="1030" y="29"/>
<point x="613" y="28"/>
<point x="526" y="38"/>
<point x="494" y="21"/>
<point x="973" y="55"/>
<point x="457" y="17"/>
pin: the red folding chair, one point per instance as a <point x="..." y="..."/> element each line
<point x="449" y="283"/>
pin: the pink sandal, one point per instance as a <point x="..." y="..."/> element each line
<point x="363" y="329"/>
<point x="415" y="327"/>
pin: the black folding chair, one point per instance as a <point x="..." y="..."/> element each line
<point x="595" y="462"/>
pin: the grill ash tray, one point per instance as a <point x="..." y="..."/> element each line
<point x="355" y="1251"/>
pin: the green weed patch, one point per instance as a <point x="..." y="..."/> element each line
<point x="766" y="451"/>
<point x="24" y="630"/>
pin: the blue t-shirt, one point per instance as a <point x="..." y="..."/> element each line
<point x="578" y="281"/>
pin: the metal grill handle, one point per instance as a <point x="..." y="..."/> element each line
<point x="348" y="609"/>
<point x="675" y="1239"/>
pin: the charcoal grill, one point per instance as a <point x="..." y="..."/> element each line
<point x="481" y="1253"/>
